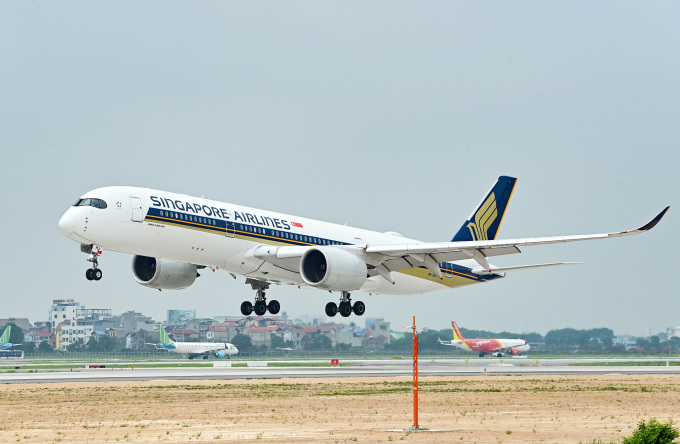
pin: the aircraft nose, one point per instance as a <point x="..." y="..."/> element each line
<point x="67" y="223"/>
<point x="235" y="350"/>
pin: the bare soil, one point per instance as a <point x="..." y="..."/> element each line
<point x="482" y="409"/>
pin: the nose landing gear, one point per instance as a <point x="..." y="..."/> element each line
<point x="260" y="307"/>
<point x="345" y="308"/>
<point x="94" y="273"/>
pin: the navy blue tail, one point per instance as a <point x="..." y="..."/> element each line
<point x="484" y="222"/>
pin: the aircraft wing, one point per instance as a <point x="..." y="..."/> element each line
<point x="387" y="258"/>
<point x="429" y="254"/>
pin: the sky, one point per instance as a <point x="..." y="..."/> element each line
<point x="389" y="116"/>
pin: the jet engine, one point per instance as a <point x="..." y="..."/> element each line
<point x="220" y="354"/>
<point x="163" y="274"/>
<point x="333" y="269"/>
<point x="514" y="351"/>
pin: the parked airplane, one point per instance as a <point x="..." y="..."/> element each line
<point x="194" y="349"/>
<point x="4" y="339"/>
<point x="498" y="347"/>
<point x="174" y="235"/>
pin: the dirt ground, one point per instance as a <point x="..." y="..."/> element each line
<point x="482" y="409"/>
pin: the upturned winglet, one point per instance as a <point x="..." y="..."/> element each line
<point x="652" y="223"/>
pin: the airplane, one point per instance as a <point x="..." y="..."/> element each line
<point x="194" y="349"/>
<point x="4" y="339"/>
<point x="497" y="347"/>
<point x="172" y="236"/>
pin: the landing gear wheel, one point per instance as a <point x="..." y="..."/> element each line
<point x="274" y="306"/>
<point x="191" y="357"/>
<point x="97" y="274"/>
<point x="331" y="309"/>
<point x="246" y="308"/>
<point x="260" y="308"/>
<point x="481" y="355"/>
<point x="359" y="308"/>
<point x="345" y="309"/>
<point x="205" y="356"/>
<point x="89" y="274"/>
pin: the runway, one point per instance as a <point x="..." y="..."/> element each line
<point x="350" y="369"/>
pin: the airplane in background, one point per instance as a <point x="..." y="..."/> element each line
<point x="497" y="347"/>
<point x="194" y="349"/>
<point x="172" y="236"/>
<point x="4" y="339"/>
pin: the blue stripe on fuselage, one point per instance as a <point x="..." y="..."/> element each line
<point x="219" y="226"/>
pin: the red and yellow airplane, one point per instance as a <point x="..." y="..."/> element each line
<point x="497" y="347"/>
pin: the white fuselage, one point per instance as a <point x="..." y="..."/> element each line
<point x="219" y="235"/>
<point x="198" y="348"/>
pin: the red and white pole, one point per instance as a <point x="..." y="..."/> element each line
<point x="415" y="375"/>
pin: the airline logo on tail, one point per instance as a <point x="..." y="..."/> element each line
<point x="5" y="335"/>
<point x="166" y="342"/>
<point x="4" y="339"/>
<point x="484" y="222"/>
<point x="457" y="335"/>
<point x="484" y="217"/>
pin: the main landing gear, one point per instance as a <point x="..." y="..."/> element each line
<point x="345" y="308"/>
<point x="94" y="273"/>
<point x="261" y="306"/>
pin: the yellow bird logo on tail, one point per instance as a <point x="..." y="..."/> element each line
<point x="484" y="218"/>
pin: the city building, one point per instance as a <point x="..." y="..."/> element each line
<point x="72" y="331"/>
<point x="62" y="310"/>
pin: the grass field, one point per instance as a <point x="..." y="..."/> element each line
<point x="482" y="409"/>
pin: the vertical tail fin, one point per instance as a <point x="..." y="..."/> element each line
<point x="484" y="222"/>
<point x="165" y="339"/>
<point x="457" y="335"/>
<point x="5" y="334"/>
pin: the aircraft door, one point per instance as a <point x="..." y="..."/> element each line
<point x="231" y="226"/>
<point x="137" y="212"/>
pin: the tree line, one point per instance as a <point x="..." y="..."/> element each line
<point x="595" y="340"/>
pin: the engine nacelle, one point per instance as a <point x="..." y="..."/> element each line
<point x="220" y="354"/>
<point x="333" y="269"/>
<point x="163" y="274"/>
<point x="514" y="351"/>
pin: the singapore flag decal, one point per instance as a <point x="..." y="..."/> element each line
<point x="296" y="224"/>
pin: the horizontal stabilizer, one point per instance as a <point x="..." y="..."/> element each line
<point x="519" y="267"/>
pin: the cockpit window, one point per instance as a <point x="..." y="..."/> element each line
<point x="97" y="203"/>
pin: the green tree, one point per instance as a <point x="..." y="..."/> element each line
<point x="321" y="342"/>
<point x="402" y="344"/>
<point x="78" y="346"/>
<point x="92" y="345"/>
<point x="106" y="343"/>
<point x="242" y="342"/>
<point x="278" y="342"/>
<point x="28" y="347"/>
<point x="643" y="344"/>
<point x="306" y="342"/>
<point x="674" y="344"/>
<point x="45" y="347"/>
<point x="343" y="346"/>
<point x="654" y="344"/>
